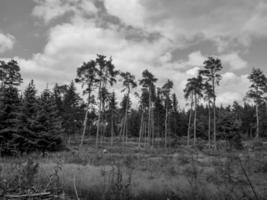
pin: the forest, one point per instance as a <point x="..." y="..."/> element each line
<point x="47" y="120"/>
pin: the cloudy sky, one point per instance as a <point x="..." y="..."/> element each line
<point x="172" y="38"/>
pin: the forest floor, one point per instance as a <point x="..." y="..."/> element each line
<point x="129" y="172"/>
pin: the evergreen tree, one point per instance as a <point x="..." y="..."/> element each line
<point x="28" y="125"/>
<point x="166" y="89"/>
<point x="10" y="139"/>
<point x="50" y="130"/>
<point x="112" y="116"/>
<point x="257" y="90"/>
<point x="10" y="78"/>
<point x="128" y="83"/>
<point x="72" y="110"/>
<point x="148" y="82"/>
<point x="212" y="68"/>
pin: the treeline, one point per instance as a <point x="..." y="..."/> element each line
<point x="31" y="122"/>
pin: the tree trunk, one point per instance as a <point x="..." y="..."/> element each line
<point x="112" y="131"/>
<point x="195" y="119"/>
<point x="126" y="118"/>
<point x="141" y="129"/>
<point x="209" y="126"/>
<point x="214" y="114"/>
<point x="258" y="121"/>
<point x="189" y="123"/>
<point x="99" y="115"/>
<point x="85" y="120"/>
<point x="152" y="126"/>
<point x="149" y="117"/>
<point x="166" y="126"/>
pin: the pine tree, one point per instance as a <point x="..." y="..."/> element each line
<point x="166" y="88"/>
<point x="148" y="82"/>
<point x="10" y="78"/>
<point x="72" y="110"/>
<point x="50" y="130"/>
<point x="112" y="114"/>
<point x="212" y="68"/>
<point x="10" y="139"/>
<point x="28" y="125"/>
<point x="257" y="90"/>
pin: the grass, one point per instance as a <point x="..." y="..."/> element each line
<point x="125" y="172"/>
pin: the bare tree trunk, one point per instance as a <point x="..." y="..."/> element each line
<point x="258" y="121"/>
<point x="166" y="126"/>
<point x="195" y="120"/>
<point x="85" y="120"/>
<point x="99" y="115"/>
<point x="152" y="126"/>
<point x="141" y="129"/>
<point x="149" y="117"/>
<point x="214" y="114"/>
<point x="189" y="123"/>
<point x="209" y="124"/>
<point x="126" y="118"/>
<point x="112" y="130"/>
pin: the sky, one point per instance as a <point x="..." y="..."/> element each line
<point x="50" y="39"/>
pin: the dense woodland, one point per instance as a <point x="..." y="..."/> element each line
<point x="46" y="120"/>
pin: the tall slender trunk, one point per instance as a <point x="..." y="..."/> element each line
<point x="195" y="119"/>
<point x="258" y="121"/>
<point x="214" y="113"/>
<point x="99" y="115"/>
<point x="112" y="130"/>
<point x="152" y="126"/>
<point x="85" y="120"/>
<point x="141" y="129"/>
<point x="149" y="116"/>
<point x="209" y="126"/>
<point x="126" y="118"/>
<point x="189" y="123"/>
<point x="166" y="126"/>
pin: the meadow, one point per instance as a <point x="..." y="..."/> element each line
<point x="124" y="171"/>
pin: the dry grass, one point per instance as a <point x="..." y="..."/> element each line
<point x="153" y="172"/>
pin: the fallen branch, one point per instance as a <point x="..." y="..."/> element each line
<point x="248" y="180"/>
<point x="17" y="196"/>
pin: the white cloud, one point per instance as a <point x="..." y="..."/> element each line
<point x="223" y="22"/>
<point x="130" y="12"/>
<point x="70" y="44"/>
<point x="234" y="60"/>
<point x="53" y="9"/>
<point x="6" y="42"/>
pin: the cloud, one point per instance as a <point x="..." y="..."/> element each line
<point x="6" y="42"/>
<point x="234" y="60"/>
<point x="232" y="88"/>
<point x="142" y="39"/>
<point x="49" y="10"/>
<point x="223" y="22"/>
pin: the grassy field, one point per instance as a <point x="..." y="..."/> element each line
<point x="128" y="172"/>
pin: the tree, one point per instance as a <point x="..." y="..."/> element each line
<point x="193" y="90"/>
<point x="10" y="139"/>
<point x="28" y="123"/>
<point x="208" y="96"/>
<point x="10" y="73"/>
<point x="106" y="76"/>
<point x="212" y="67"/>
<point x="128" y="83"/>
<point x="9" y="106"/>
<point x="72" y="110"/>
<point x="112" y="115"/>
<point x="86" y="76"/>
<point x="256" y="93"/>
<point x="50" y="131"/>
<point x="166" y="89"/>
<point x="148" y="82"/>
